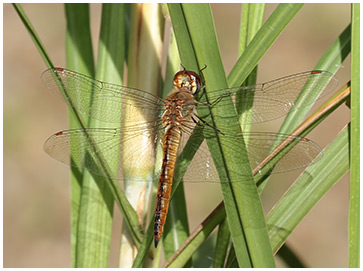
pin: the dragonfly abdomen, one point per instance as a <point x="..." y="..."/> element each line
<point x="171" y="145"/>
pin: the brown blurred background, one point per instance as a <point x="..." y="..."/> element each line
<point x="36" y="187"/>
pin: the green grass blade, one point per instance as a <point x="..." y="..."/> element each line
<point x="308" y="189"/>
<point x="264" y="38"/>
<point x="95" y="225"/>
<point x="189" y="60"/>
<point x="187" y="55"/>
<point x="223" y="242"/>
<point x="289" y="257"/>
<point x="112" y="44"/>
<point x="176" y="227"/>
<point x="330" y="61"/>
<point x="172" y="64"/>
<point x="231" y="259"/>
<point x="77" y="41"/>
<point x="33" y="34"/>
<point x="144" y="248"/>
<point x="200" y="26"/>
<point x="251" y="21"/>
<point x="354" y="211"/>
<point x="78" y="36"/>
<point x="184" y="253"/>
<point x="79" y="48"/>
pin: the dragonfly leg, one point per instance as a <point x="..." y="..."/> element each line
<point x="205" y="123"/>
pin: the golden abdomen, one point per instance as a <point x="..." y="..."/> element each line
<point x="172" y="139"/>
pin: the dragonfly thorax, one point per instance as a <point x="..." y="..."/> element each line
<point x="179" y="106"/>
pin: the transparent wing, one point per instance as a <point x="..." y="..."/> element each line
<point x="203" y="167"/>
<point x="273" y="99"/>
<point x="98" y="99"/>
<point x="300" y="156"/>
<point x="99" y="151"/>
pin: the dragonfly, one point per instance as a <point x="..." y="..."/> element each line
<point x="167" y="124"/>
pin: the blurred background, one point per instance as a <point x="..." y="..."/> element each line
<point x="36" y="187"/>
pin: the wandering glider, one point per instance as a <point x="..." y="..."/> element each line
<point x="169" y="120"/>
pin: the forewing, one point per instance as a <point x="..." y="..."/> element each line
<point x="273" y="99"/>
<point x="98" y="99"/>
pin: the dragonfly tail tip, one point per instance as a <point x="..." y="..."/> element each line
<point x="156" y="242"/>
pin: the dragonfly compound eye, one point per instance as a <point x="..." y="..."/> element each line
<point x="187" y="80"/>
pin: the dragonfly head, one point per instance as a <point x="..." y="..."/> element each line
<point x="188" y="81"/>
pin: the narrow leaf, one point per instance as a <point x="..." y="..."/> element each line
<point x="354" y="195"/>
<point x="78" y="36"/>
<point x="264" y="38"/>
<point x="308" y="189"/>
<point x="330" y="61"/>
<point x="33" y="34"/>
<point x="97" y="226"/>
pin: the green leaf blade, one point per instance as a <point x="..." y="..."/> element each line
<point x="268" y="33"/>
<point x="354" y="201"/>
<point x="202" y="34"/>
<point x="78" y="35"/>
<point x="330" y="61"/>
<point x="251" y="21"/>
<point x="97" y="226"/>
<point x="308" y="189"/>
<point x="33" y="34"/>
